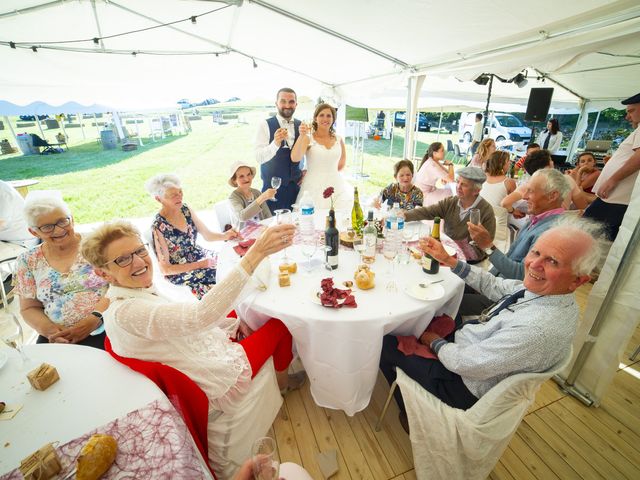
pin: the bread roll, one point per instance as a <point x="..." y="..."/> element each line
<point x="96" y="457"/>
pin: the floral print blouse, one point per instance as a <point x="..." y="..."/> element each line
<point x="408" y="201"/>
<point x="67" y="297"/>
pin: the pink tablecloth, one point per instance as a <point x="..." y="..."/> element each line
<point x="153" y="442"/>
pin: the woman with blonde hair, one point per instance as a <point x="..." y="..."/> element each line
<point x="433" y="177"/>
<point x="175" y="229"/>
<point x="486" y="148"/>
<point x="326" y="158"/>
<point x="498" y="185"/>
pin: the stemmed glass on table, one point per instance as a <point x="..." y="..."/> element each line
<point x="358" y="247"/>
<point x="389" y="251"/>
<point x="283" y="217"/>
<point x="309" y="245"/>
<point x="266" y="465"/>
<point x="11" y="332"/>
<point x="275" y="183"/>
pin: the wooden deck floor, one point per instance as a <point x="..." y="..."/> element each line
<point x="559" y="437"/>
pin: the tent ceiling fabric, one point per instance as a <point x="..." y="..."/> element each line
<point x="425" y="36"/>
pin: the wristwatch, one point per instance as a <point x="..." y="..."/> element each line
<point x="490" y="250"/>
<point x="97" y="314"/>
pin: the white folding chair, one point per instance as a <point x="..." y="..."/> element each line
<point x="223" y="213"/>
<point x="466" y="444"/>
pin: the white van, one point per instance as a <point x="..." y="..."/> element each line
<point x="502" y="127"/>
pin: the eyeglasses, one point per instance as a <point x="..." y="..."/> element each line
<point x="49" y="227"/>
<point x="125" y="260"/>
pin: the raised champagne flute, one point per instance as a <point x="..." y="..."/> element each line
<point x="266" y="465"/>
<point x="283" y="217"/>
<point x="474" y="217"/>
<point x="12" y="335"/>
<point x="275" y="183"/>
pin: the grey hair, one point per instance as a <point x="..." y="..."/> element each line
<point x="554" y="181"/>
<point x="42" y="205"/>
<point x="157" y="185"/>
<point x="571" y="227"/>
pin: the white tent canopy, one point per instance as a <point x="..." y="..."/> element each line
<point x="296" y="43"/>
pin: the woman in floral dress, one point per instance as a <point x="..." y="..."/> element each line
<point x="175" y="230"/>
<point x="61" y="297"/>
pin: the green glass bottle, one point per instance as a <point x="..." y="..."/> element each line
<point x="429" y="264"/>
<point x="357" y="217"/>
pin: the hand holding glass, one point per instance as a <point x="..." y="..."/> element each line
<point x="266" y="465"/>
<point x="275" y="183"/>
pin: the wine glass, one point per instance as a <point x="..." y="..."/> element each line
<point x="266" y="465"/>
<point x="309" y="245"/>
<point x="12" y="335"/>
<point x="474" y="216"/>
<point x="238" y="225"/>
<point x="358" y="247"/>
<point x="295" y="214"/>
<point x="275" y="183"/>
<point x="309" y="123"/>
<point x="389" y="251"/>
<point x="283" y="217"/>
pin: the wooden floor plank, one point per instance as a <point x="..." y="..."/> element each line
<point x="558" y="443"/>
<point x="305" y="438"/>
<point x="516" y="466"/>
<point x="600" y="414"/>
<point x="547" y="453"/>
<point x="364" y="433"/>
<point x="391" y="438"/>
<point x="410" y="475"/>
<point x="500" y="472"/>
<point x="531" y="459"/>
<point x="325" y="437"/>
<point x="588" y="454"/>
<point x="356" y="462"/>
<point x="286" y="439"/>
<point x="622" y="408"/>
<point x="596" y="441"/>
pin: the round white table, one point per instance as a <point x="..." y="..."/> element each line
<point x="340" y="348"/>
<point x="93" y="390"/>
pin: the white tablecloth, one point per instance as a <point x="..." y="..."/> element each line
<point x="340" y="348"/>
<point x="93" y="390"/>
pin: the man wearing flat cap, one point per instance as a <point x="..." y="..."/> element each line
<point x="615" y="184"/>
<point x="454" y="211"/>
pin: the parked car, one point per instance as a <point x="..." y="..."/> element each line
<point x="501" y="127"/>
<point x="399" y="120"/>
<point x="234" y="99"/>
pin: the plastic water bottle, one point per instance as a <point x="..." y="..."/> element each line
<point x="393" y="236"/>
<point x="306" y="214"/>
<point x="399" y="220"/>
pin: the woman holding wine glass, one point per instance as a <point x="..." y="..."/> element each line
<point x="61" y="297"/>
<point x="326" y="158"/>
<point x="247" y="203"/>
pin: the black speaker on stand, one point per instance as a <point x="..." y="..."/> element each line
<point x="538" y="107"/>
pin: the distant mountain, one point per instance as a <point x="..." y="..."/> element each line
<point x="42" y="108"/>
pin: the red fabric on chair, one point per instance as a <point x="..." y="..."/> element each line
<point x="183" y="393"/>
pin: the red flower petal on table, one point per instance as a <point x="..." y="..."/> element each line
<point x="350" y="301"/>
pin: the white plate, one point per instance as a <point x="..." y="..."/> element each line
<point x="432" y="292"/>
<point x="3" y="358"/>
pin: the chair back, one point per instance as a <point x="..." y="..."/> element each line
<point x="39" y="142"/>
<point x="223" y="213"/>
<point x="183" y="393"/>
<point x="502" y="239"/>
<point x="450" y="146"/>
<point x="467" y="444"/>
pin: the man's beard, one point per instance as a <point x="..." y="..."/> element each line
<point x="286" y="112"/>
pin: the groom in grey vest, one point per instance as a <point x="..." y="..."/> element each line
<point x="274" y="140"/>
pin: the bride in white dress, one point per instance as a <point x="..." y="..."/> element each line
<point x="326" y="157"/>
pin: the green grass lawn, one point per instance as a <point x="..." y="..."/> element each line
<point x="106" y="184"/>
